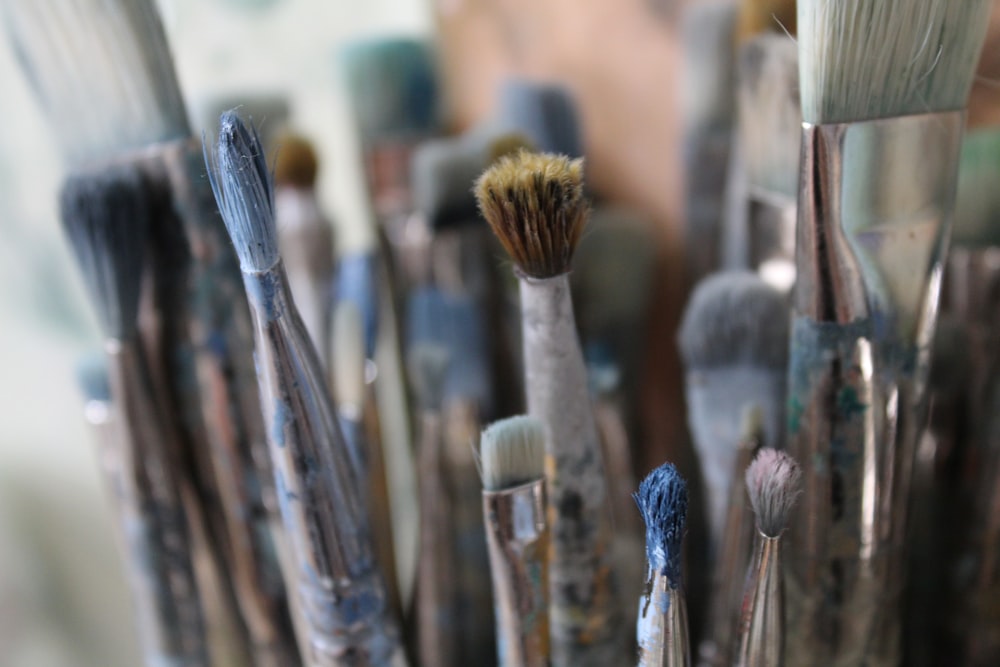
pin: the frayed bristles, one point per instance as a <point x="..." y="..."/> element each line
<point x="101" y="70"/>
<point x="512" y="452"/>
<point x="427" y="364"/>
<point x="662" y="499"/>
<point x="868" y="59"/>
<point x="774" y="481"/>
<point x="244" y="192"/>
<point x="535" y="205"/>
<point x="348" y="354"/>
<point x="106" y="216"/>
<point x="734" y="318"/>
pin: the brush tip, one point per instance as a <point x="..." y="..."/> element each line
<point x="663" y="499"/>
<point x="512" y="452"/>
<point x="534" y="203"/>
<point x="774" y="481"/>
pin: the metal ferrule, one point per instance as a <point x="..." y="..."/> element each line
<point x="150" y="506"/>
<point x="517" y="535"/>
<point x="583" y="611"/>
<point x="762" y="617"/>
<point x="875" y="208"/>
<point x="771" y="237"/>
<point x="340" y="593"/>
<point x="662" y="629"/>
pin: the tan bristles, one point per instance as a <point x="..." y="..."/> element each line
<point x="535" y="205"/>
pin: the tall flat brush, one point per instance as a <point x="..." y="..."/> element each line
<point x="534" y="203"/>
<point x="662" y="629"/>
<point x="773" y="482"/>
<point x="338" y="589"/>
<point x="512" y="457"/>
<point x="106" y="218"/>
<point x="883" y="85"/>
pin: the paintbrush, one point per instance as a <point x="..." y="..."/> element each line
<point x="534" y="203"/>
<point x="662" y="630"/>
<point x="305" y="237"/>
<point x="512" y="460"/>
<point x="337" y="587"/>
<point x="883" y="84"/>
<point x="769" y="123"/>
<point x="773" y="482"/>
<point x="106" y="217"/>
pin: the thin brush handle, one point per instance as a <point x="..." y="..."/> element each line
<point x="583" y="612"/>
<point x="662" y="629"/>
<point x="435" y="593"/>
<point x="875" y="208"/>
<point x="150" y="506"/>
<point x="340" y="593"/>
<point x="762" y="620"/>
<point x="517" y="536"/>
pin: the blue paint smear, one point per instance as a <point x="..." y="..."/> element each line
<point x="282" y="417"/>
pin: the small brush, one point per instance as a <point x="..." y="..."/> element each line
<point x="534" y="203"/>
<point x="883" y="86"/>
<point x="662" y="630"/>
<point x="305" y="236"/>
<point x="337" y="586"/>
<point x="773" y="482"/>
<point x="512" y="459"/>
<point x="106" y="217"/>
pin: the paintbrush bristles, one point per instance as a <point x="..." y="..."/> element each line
<point x="512" y="452"/>
<point x="535" y="205"/>
<point x="244" y="192"/>
<point x="662" y="499"/>
<point x="774" y="481"/>
<point x="868" y="59"/>
<point x="105" y="215"/>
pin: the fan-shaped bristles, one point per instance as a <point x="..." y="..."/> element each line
<point x="105" y="215"/>
<point x="244" y="192"/>
<point x="868" y="59"/>
<point x="662" y="499"/>
<point x="774" y="481"/>
<point x="535" y="205"/>
<point x="512" y="452"/>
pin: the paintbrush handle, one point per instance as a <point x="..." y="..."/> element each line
<point x="517" y="536"/>
<point x="339" y="590"/>
<point x="762" y="618"/>
<point x="662" y="629"/>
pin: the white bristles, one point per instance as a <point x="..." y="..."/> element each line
<point x="348" y="355"/>
<point x="512" y="452"/>
<point x="773" y="481"/>
<point x="868" y="59"/>
<point x="102" y="72"/>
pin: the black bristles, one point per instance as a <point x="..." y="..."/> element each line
<point x="662" y="499"/>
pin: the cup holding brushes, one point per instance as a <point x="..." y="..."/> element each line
<point x="882" y="123"/>
<point x="662" y="629"/>
<point x="338" y="589"/>
<point x="512" y="460"/>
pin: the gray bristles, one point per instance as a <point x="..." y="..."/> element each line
<point x="442" y="174"/>
<point x="105" y="215"/>
<point x="662" y="499"/>
<point x="512" y="452"/>
<point x="774" y="481"/>
<point x="102" y="72"/>
<point x="244" y="192"/>
<point x="868" y="59"/>
<point x="734" y="318"/>
<point x="427" y="364"/>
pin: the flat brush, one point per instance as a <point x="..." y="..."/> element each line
<point x="338" y="589"/>
<point x="512" y="459"/>
<point x="534" y="203"/>
<point x="773" y="482"/>
<point x="883" y="86"/>
<point x="106" y="218"/>
<point x="662" y="629"/>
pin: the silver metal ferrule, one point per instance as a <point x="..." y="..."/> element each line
<point x="340" y="593"/>
<point x="662" y="629"/>
<point x="875" y="207"/>
<point x="517" y="536"/>
<point x="762" y="621"/>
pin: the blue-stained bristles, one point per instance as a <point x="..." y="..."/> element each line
<point x="662" y="499"/>
<point x="242" y="183"/>
<point x="105" y="215"/>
